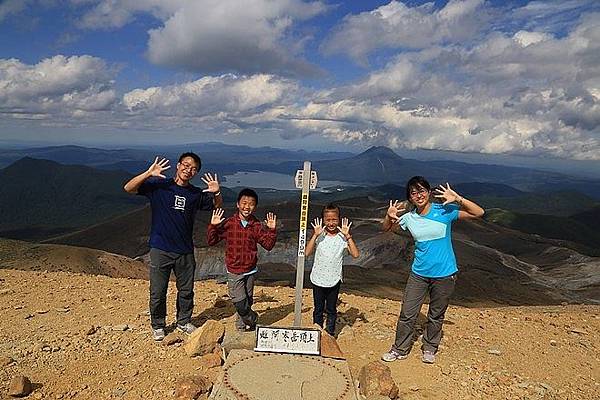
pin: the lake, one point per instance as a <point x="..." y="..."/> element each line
<point x="272" y="180"/>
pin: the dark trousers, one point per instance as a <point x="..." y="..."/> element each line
<point x="184" y="266"/>
<point x="417" y="287"/>
<point x="241" y="292"/>
<point x="325" y="299"/>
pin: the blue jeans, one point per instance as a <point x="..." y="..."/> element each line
<point x="417" y="287"/>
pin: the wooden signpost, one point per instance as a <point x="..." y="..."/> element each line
<point x="305" y="180"/>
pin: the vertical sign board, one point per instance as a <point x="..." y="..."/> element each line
<point x="305" y="180"/>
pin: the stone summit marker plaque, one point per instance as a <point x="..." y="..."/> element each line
<point x="271" y="376"/>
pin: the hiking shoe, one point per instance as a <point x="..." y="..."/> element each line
<point x="393" y="355"/>
<point x="187" y="328"/>
<point x="158" y="334"/>
<point x="428" y="357"/>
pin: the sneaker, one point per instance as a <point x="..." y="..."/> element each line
<point x="187" y="328"/>
<point x="158" y="334"/>
<point x="428" y="357"/>
<point x="393" y="355"/>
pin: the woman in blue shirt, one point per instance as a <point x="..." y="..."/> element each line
<point x="434" y="267"/>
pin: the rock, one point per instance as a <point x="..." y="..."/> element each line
<point x="204" y="339"/>
<point x="121" y="327"/>
<point x="43" y="311"/>
<point x="40" y="347"/>
<point x="375" y="378"/>
<point x="235" y="339"/>
<point x="20" y="386"/>
<point x="192" y="387"/>
<point x="172" y="338"/>
<point x="211" y="360"/>
<point x="329" y="346"/>
<point x="578" y="331"/>
<point x="5" y="291"/>
<point x="553" y="343"/>
<point x="92" y="330"/>
<point x="221" y="303"/>
<point x="62" y="309"/>
<point x="495" y="352"/>
<point x="119" y="392"/>
<point x="347" y="332"/>
<point x="4" y="361"/>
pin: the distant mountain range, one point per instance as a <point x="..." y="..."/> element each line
<point x="41" y="198"/>
<point x="375" y="166"/>
<point x="45" y="198"/>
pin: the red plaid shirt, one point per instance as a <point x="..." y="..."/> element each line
<point x="241" y="250"/>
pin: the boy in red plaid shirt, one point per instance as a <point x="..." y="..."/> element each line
<point x="242" y="231"/>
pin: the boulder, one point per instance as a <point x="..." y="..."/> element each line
<point x="192" y="387"/>
<point x="329" y="346"/>
<point x="172" y="338"/>
<point x="211" y="360"/>
<point x="375" y="378"/>
<point x="20" y="386"/>
<point x="204" y="339"/>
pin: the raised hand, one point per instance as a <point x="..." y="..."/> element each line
<point x="447" y="194"/>
<point x="158" y="167"/>
<point x="345" y="228"/>
<point x="271" y="220"/>
<point x="317" y="225"/>
<point x="211" y="182"/>
<point x="394" y="209"/>
<point x="217" y="216"/>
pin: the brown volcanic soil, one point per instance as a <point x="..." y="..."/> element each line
<point x="546" y="352"/>
<point x="15" y="254"/>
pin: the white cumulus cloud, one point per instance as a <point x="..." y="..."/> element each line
<point x="249" y="36"/>
<point x="56" y="85"/>
<point x="397" y="25"/>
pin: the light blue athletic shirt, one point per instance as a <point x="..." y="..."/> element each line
<point x="329" y="257"/>
<point x="434" y="257"/>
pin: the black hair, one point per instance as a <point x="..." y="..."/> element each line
<point x="416" y="182"/>
<point x="247" y="192"/>
<point x="195" y="156"/>
<point x="330" y="207"/>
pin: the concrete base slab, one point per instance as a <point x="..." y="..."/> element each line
<point x="251" y="375"/>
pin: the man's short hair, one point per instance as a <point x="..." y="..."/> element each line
<point x="195" y="156"/>
<point x="249" y="193"/>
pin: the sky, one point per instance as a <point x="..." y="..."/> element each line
<point x="518" y="78"/>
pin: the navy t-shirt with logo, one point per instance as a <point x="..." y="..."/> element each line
<point x="174" y="208"/>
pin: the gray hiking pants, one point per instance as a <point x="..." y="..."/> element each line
<point x="241" y="292"/>
<point x="184" y="266"/>
<point x="417" y="287"/>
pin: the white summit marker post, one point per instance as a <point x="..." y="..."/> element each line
<point x="305" y="180"/>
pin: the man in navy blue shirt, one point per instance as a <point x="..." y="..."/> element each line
<point x="174" y="204"/>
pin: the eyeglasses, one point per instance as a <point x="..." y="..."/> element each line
<point x="419" y="193"/>
<point x="185" y="167"/>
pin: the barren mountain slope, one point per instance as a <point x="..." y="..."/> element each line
<point x="548" y="352"/>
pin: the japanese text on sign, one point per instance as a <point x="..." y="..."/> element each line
<point x="287" y="340"/>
